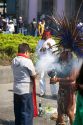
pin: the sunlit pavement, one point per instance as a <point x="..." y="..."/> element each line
<point x="6" y="104"/>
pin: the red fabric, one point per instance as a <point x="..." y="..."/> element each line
<point x="48" y="33"/>
<point x="22" y="54"/>
<point x="34" y="100"/>
<point x="34" y="90"/>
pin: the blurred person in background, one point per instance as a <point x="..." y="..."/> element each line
<point x="10" y="27"/>
<point x="44" y="46"/>
<point x="34" y="27"/>
<point x="41" y="27"/>
<point x="50" y="47"/>
<point x="40" y="52"/>
<point x="20" y="25"/>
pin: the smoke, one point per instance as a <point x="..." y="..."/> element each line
<point x="46" y="62"/>
<point x="49" y="62"/>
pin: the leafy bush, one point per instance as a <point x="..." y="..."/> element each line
<point x="4" y="59"/>
<point x="13" y="40"/>
<point x="9" y="44"/>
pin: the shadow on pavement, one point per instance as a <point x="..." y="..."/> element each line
<point x="10" y="90"/>
<point x="6" y="122"/>
<point x="48" y="96"/>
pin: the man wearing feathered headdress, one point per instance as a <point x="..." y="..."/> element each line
<point x="72" y="41"/>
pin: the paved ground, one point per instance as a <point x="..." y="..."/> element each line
<point x="6" y="105"/>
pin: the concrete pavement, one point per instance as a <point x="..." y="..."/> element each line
<point x="6" y="104"/>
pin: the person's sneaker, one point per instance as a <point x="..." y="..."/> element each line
<point x="42" y="94"/>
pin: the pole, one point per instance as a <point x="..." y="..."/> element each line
<point x="4" y="2"/>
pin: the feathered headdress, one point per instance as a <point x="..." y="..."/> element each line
<point x="70" y="36"/>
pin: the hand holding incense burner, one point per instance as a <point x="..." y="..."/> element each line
<point x="52" y="74"/>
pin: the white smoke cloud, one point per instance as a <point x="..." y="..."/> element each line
<point x="45" y="63"/>
<point x="49" y="61"/>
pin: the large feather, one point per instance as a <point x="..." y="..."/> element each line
<point x="69" y="34"/>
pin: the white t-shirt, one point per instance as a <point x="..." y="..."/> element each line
<point x="23" y="69"/>
<point x="39" y="46"/>
<point x="52" y="43"/>
<point x="11" y="28"/>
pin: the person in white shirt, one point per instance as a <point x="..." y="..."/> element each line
<point x="24" y="74"/>
<point x="50" y="46"/>
<point x="10" y="27"/>
<point x="46" y="44"/>
<point x="40" y="52"/>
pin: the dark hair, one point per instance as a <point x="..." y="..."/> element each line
<point x="79" y="79"/>
<point x="24" y="47"/>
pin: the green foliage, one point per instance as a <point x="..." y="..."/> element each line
<point x="4" y="59"/>
<point x="13" y="40"/>
<point x="9" y="44"/>
<point x="34" y="57"/>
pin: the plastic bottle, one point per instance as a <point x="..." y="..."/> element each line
<point x="40" y="108"/>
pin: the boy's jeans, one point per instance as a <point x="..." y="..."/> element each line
<point x="23" y="109"/>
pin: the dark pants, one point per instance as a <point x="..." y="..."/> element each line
<point x="23" y="109"/>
